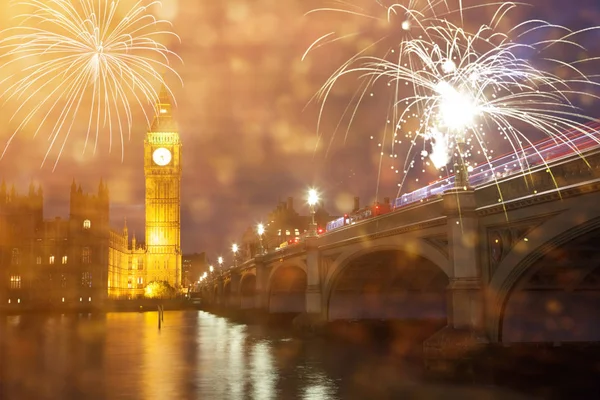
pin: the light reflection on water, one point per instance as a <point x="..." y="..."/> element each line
<point x="195" y="355"/>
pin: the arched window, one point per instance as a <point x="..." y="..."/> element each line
<point x="87" y="224"/>
<point x="15" y="281"/>
<point x="51" y="260"/>
<point x="86" y="279"/>
<point x="15" y="257"/>
<point x="86" y="255"/>
<point x="64" y="259"/>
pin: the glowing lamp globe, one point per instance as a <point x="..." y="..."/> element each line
<point x="313" y="197"/>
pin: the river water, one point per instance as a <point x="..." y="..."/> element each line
<point x="197" y="355"/>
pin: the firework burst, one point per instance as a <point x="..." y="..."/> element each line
<point x="464" y="94"/>
<point x="401" y="22"/>
<point x="91" y="60"/>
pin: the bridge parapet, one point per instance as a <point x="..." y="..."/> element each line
<point x="567" y="174"/>
<point x="412" y="217"/>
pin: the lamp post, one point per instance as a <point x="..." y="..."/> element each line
<point x="260" y="229"/>
<point x="234" y="249"/>
<point x="211" y="269"/>
<point x="220" y="261"/>
<point x="460" y="167"/>
<point x="458" y="112"/>
<point x="313" y="199"/>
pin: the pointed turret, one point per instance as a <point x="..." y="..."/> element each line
<point x="125" y="230"/>
<point x="13" y="193"/>
<point x="31" y="189"/>
<point x="73" y="186"/>
<point x="101" y="188"/>
<point x="79" y="190"/>
<point x="40" y="192"/>
<point x="163" y="120"/>
<point x="133" y="242"/>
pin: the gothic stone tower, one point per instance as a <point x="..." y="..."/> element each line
<point x="162" y="167"/>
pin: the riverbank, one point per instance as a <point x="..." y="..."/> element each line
<point x="139" y="305"/>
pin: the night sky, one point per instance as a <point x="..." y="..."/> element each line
<point x="248" y="130"/>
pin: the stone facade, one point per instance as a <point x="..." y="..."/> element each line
<point x="81" y="259"/>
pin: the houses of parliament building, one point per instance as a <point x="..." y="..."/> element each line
<point x="82" y="259"/>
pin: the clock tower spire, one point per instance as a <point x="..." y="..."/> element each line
<point x="162" y="169"/>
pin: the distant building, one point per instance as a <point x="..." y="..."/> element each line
<point x="282" y="224"/>
<point x="57" y="260"/>
<point x="193" y="266"/>
<point x="82" y="259"/>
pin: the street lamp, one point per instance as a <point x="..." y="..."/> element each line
<point x="260" y="229"/>
<point x="211" y="269"/>
<point x="220" y="261"/>
<point x="234" y="249"/>
<point x="458" y="111"/>
<point x="313" y="199"/>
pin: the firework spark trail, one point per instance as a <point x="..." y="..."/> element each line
<point x="465" y="85"/>
<point x="415" y="15"/>
<point x="79" y="52"/>
<point x="469" y="93"/>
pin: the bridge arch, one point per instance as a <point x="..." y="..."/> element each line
<point x="215" y="295"/>
<point x="388" y="281"/>
<point x="226" y="297"/>
<point x="554" y="283"/>
<point x="287" y="288"/>
<point x="248" y="291"/>
<point x="418" y="247"/>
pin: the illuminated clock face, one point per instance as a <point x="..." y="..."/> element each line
<point x="161" y="156"/>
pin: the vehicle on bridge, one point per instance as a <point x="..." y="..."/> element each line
<point x="289" y="242"/>
<point x="373" y="210"/>
<point x="537" y="154"/>
<point x="298" y="239"/>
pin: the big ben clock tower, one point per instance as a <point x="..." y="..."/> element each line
<point x="162" y="168"/>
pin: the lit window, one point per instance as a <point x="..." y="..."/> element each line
<point x="140" y="281"/>
<point x="64" y="259"/>
<point x="86" y="255"/>
<point x="163" y="111"/>
<point x="15" y="282"/>
<point x="51" y="260"/>
<point x="38" y="260"/>
<point x="15" y="256"/>
<point x="86" y="279"/>
<point x="87" y="224"/>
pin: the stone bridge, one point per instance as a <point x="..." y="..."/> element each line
<point x="514" y="261"/>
